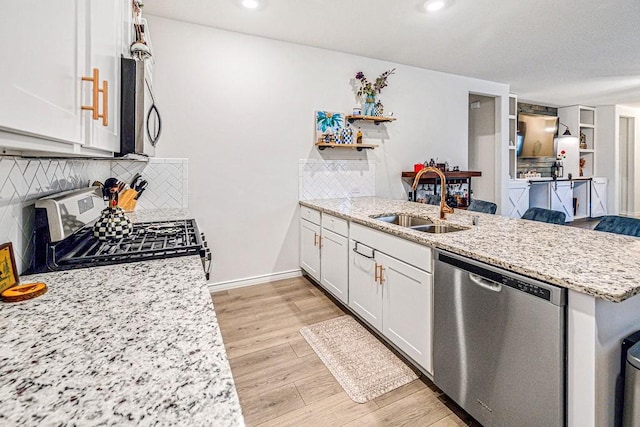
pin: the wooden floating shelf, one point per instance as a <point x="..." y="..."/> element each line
<point x="375" y="119"/>
<point x="359" y="147"/>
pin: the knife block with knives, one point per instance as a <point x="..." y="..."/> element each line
<point x="129" y="197"/>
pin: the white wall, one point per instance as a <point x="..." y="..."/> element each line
<point x="482" y="141"/>
<point x="241" y="109"/>
<point x="608" y="152"/>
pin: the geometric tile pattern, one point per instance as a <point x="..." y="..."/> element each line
<point x="330" y="179"/>
<point x="168" y="182"/>
<point x="22" y="181"/>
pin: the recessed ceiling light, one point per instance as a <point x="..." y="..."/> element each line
<point x="251" y="4"/>
<point x="434" y="5"/>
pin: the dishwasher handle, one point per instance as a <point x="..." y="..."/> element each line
<point x="484" y="283"/>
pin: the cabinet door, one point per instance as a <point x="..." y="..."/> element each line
<point x="365" y="293"/>
<point x="518" y="200"/>
<point x="407" y="308"/>
<point x="334" y="268"/>
<point x="562" y="198"/>
<point x="598" y="197"/>
<point x="104" y="46"/>
<point x="310" y="248"/>
<point x="42" y="65"/>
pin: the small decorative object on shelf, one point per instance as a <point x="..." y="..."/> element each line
<point x="359" y="136"/>
<point x="347" y="135"/>
<point x="379" y="109"/>
<point x="583" y="162"/>
<point x="583" y="141"/>
<point x="369" y="90"/>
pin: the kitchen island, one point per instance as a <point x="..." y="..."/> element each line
<point x="600" y="271"/>
<point x="126" y="344"/>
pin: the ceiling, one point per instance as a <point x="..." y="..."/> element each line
<point x="551" y="52"/>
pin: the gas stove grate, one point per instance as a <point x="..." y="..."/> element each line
<point x="150" y="240"/>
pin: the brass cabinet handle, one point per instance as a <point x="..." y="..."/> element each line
<point x="315" y="239"/>
<point x="382" y="279"/>
<point x="105" y="103"/>
<point x="320" y="241"/>
<point x="94" y="92"/>
<point x="375" y="272"/>
<point x="95" y="95"/>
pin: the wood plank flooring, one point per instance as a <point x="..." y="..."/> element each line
<point x="282" y="382"/>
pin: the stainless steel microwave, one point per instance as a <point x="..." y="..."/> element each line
<point x="140" y="123"/>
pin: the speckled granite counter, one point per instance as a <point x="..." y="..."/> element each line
<point x="604" y="265"/>
<point x="130" y="344"/>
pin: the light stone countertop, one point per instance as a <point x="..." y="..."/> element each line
<point x="604" y="265"/>
<point x="127" y="344"/>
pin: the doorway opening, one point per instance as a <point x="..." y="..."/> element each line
<point x="483" y="146"/>
<point x="626" y="170"/>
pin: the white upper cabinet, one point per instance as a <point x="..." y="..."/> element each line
<point x="43" y="61"/>
<point x="48" y="48"/>
<point x="104" y="47"/>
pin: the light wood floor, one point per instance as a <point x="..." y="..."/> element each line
<point x="282" y="382"/>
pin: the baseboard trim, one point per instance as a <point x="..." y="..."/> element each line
<point x="255" y="280"/>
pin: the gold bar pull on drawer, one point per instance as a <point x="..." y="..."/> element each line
<point x="94" y="92"/>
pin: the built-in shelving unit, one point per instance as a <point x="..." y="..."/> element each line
<point x="513" y="136"/>
<point x="581" y="121"/>
<point x="375" y="119"/>
<point x="359" y="147"/>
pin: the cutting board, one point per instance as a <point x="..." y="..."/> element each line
<point x="23" y="292"/>
<point x="127" y="201"/>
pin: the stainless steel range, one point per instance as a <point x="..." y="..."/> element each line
<point x="64" y="238"/>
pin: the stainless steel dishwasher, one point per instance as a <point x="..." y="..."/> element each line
<point x="499" y="343"/>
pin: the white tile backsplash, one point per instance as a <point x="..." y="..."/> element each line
<point x="167" y="178"/>
<point x="24" y="180"/>
<point x="329" y="179"/>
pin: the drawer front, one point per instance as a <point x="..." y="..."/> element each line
<point x="410" y="252"/>
<point x="335" y="224"/>
<point x="310" y="215"/>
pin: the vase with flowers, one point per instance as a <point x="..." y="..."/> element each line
<point x="368" y="91"/>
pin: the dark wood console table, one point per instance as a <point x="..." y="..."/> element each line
<point x="452" y="177"/>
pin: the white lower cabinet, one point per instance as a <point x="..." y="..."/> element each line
<point x="393" y="296"/>
<point x="365" y="293"/>
<point x="598" y="202"/>
<point x="334" y="264"/>
<point x="562" y="198"/>
<point x="518" y="198"/>
<point x="324" y="251"/>
<point x="310" y="248"/>
<point x="407" y="294"/>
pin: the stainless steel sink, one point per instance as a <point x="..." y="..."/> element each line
<point x="404" y="220"/>
<point x="419" y="224"/>
<point x="437" y="228"/>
